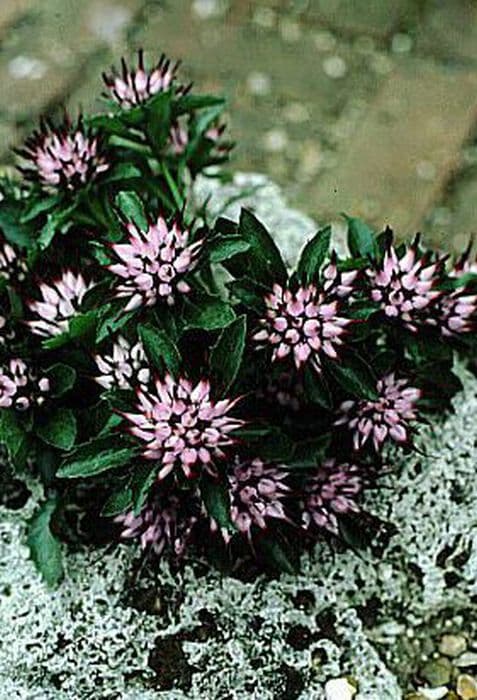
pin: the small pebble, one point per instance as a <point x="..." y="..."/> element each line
<point x="339" y="689"/>
<point x="437" y="672"/>
<point x="259" y="83"/>
<point x="401" y="43"/>
<point x="296" y="112"/>
<point x="335" y="67"/>
<point x="27" y="68"/>
<point x="468" y="658"/>
<point x="275" y="140"/>
<point x="452" y="645"/>
<point x="204" y="9"/>
<point x="289" y="30"/>
<point x="265" y="17"/>
<point x="467" y="687"/>
<point x="434" y="693"/>
<point x="324" y="41"/>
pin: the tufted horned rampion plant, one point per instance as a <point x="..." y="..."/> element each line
<point x="171" y="381"/>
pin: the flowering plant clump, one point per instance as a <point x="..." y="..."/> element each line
<point x="172" y="379"/>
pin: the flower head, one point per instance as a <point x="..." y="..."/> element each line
<point x="388" y="416"/>
<point x="257" y="491"/>
<point x="60" y="302"/>
<point x="134" y="86"/>
<point x="404" y="287"/>
<point x="332" y="491"/>
<point x="455" y="313"/>
<point x="181" y="425"/>
<point x="167" y="520"/>
<point x="12" y="266"/>
<point x="178" y="138"/>
<point x="19" y="386"/>
<point x="338" y="283"/>
<point x="305" y="324"/>
<point x="67" y="157"/>
<point x="124" y="367"/>
<point x="153" y="263"/>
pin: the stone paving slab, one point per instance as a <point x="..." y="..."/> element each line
<point x="406" y="149"/>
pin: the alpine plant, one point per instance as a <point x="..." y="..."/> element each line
<point x="182" y="427"/>
<point x="386" y="418"/>
<point x="60" y="301"/>
<point x="406" y="288"/>
<point x="305" y="325"/>
<point x="332" y="491"/>
<point x="68" y="156"/>
<point x="154" y="263"/>
<point x="125" y="367"/>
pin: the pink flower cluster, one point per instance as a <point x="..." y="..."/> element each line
<point x="332" y="491"/>
<point x="60" y="301"/>
<point x="406" y="287"/>
<point x="19" y="387"/>
<point x="124" y="367"/>
<point x="456" y="313"/>
<point x="67" y="156"/>
<point x="305" y="324"/>
<point x="386" y="417"/>
<point x="134" y="86"/>
<point x="153" y="263"/>
<point x="182" y="426"/>
<point x="337" y="283"/>
<point x="257" y="491"/>
<point x="12" y="266"/>
<point x="166" y="521"/>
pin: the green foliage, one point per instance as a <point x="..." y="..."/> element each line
<point x="45" y="549"/>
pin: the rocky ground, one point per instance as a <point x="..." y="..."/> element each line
<point x="397" y="623"/>
<point x="366" y="106"/>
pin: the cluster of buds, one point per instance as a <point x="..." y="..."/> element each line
<point x="67" y="156"/>
<point x="125" y="367"/>
<point x="386" y="417"/>
<point x="13" y="267"/>
<point x="153" y="263"/>
<point x="134" y="86"/>
<point x="332" y="491"/>
<point x="257" y="491"/>
<point x="405" y="287"/>
<point x="166" y="521"/>
<point x="61" y="301"/>
<point x="456" y="313"/>
<point x="304" y="324"/>
<point x="337" y="283"/>
<point x="181" y="425"/>
<point x="19" y="386"/>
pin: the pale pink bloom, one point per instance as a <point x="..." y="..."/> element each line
<point x="305" y="324"/>
<point x="12" y="266"/>
<point x="19" y="387"/>
<point x="385" y="418"/>
<point x="257" y="491"/>
<point x="181" y="425"/>
<point x="455" y="313"/>
<point x="68" y="156"/>
<point x="464" y="265"/>
<point x="168" y="520"/>
<point x="178" y="138"/>
<point x="333" y="490"/>
<point x="336" y="282"/>
<point x="124" y="367"/>
<point x="405" y="287"/>
<point x="153" y="264"/>
<point x="134" y="86"/>
<point x="60" y="301"/>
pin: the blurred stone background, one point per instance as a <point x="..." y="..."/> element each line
<point x="363" y="106"/>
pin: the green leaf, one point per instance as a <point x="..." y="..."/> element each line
<point x="158" y="120"/>
<point x="131" y="207"/>
<point x="13" y="436"/>
<point x="247" y="292"/>
<point x="264" y="257"/>
<point x="62" y="379"/>
<point x="354" y="375"/>
<point x="189" y="103"/>
<point x="14" y="231"/>
<point x="110" y="321"/>
<point x="144" y="475"/>
<point x="313" y="256"/>
<point x="209" y="313"/>
<point x="80" y="326"/>
<point x="59" y="429"/>
<point x="227" y="354"/>
<point x="40" y="206"/>
<point x="160" y="349"/>
<point x="361" y="238"/>
<point x="97" y="456"/>
<point x="119" y="502"/>
<point x="215" y="495"/>
<point x="122" y="171"/>
<point x="45" y="549"/>
<point x="279" y="553"/>
<point x="316" y="388"/>
<point x="225" y="247"/>
<point x="309" y="453"/>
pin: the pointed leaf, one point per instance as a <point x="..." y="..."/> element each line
<point x="313" y="256"/>
<point x="227" y="353"/>
<point x="215" y="495"/>
<point x="160" y="349"/>
<point x="354" y="375"/>
<point x="45" y="549"/>
<point x="97" y="456"/>
<point x="361" y="238"/>
<point x="59" y="429"/>
<point x="131" y="207"/>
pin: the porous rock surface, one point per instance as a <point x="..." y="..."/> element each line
<point x="213" y="637"/>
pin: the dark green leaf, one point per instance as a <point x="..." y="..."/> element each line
<point x="316" y="388"/>
<point x="13" y="436"/>
<point x="160" y="349"/>
<point x="354" y="375"/>
<point x="226" y="247"/>
<point x="189" y="103"/>
<point x="361" y="238"/>
<point x="59" y="429"/>
<point x="215" y="495"/>
<point x="144" y="475"/>
<point x="45" y="549"/>
<point x="131" y="207"/>
<point x="40" y="206"/>
<point x="62" y="379"/>
<point x="14" y="231"/>
<point x="110" y="321"/>
<point x="264" y="257"/>
<point x="210" y="313"/>
<point x="309" y="453"/>
<point x="97" y="456"/>
<point x="119" y="502"/>
<point x="80" y="326"/>
<point x="279" y="553"/>
<point x="122" y="171"/>
<point x="227" y="354"/>
<point x="158" y="120"/>
<point x="248" y="294"/>
<point x="314" y="255"/>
